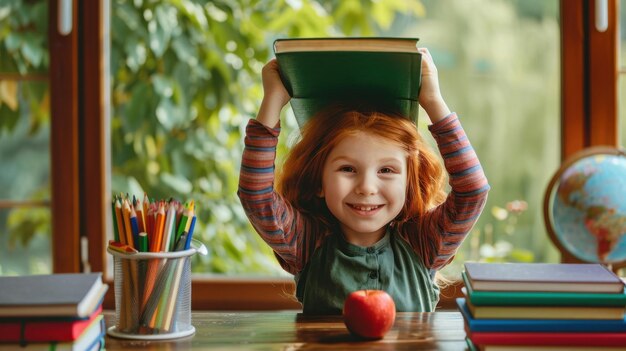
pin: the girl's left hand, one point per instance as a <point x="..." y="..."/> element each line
<point x="430" y="95"/>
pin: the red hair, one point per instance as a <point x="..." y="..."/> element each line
<point x="300" y="180"/>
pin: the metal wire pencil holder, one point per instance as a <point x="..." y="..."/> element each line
<point x="152" y="295"/>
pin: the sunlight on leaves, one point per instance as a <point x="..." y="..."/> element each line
<point x="8" y="93"/>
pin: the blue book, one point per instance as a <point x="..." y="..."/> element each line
<point x="538" y="325"/>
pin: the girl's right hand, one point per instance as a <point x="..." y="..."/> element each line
<point x="275" y="96"/>
<point x="273" y="87"/>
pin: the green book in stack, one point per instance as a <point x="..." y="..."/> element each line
<point x="378" y="73"/>
<point x="540" y="298"/>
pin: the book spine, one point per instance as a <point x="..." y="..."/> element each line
<point x="562" y="339"/>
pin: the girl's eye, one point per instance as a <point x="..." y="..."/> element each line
<point x="349" y="169"/>
<point x="386" y="170"/>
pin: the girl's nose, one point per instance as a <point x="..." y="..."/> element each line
<point x="366" y="185"/>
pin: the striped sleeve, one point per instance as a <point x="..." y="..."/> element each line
<point x="444" y="228"/>
<point x="274" y="220"/>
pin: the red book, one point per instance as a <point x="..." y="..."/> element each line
<point x="44" y="329"/>
<point x="544" y="338"/>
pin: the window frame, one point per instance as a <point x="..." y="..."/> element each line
<point x="589" y="81"/>
<point x="79" y="141"/>
<point x="64" y="129"/>
<point x="589" y="77"/>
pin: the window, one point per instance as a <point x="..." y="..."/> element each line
<point x="41" y="217"/>
<point x="25" y="181"/>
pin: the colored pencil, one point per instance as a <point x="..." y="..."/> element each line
<point x="134" y="225"/>
<point x="127" y="226"/>
<point x="182" y="226"/>
<point x="158" y="229"/>
<point x="150" y="221"/>
<point x="190" y="234"/>
<point x="180" y="245"/>
<point x="125" y="320"/>
<point x="152" y="272"/>
<point x="141" y="223"/>
<point x="119" y="247"/>
<point x="116" y="230"/>
<point x="169" y="226"/>
<point x="143" y="242"/>
<point x="146" y="213"/>
<point x="172" y="296"/>
<point x="120" y="222"/>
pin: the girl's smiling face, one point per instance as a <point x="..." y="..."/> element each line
<point x="364" y="184"/>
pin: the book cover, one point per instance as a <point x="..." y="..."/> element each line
<point x="70" y="294"/>
<point x="378" y="73"/>
<point x="539" y="325"/>
<point x="566" y="277"/>
<point x="541" y="339"/>
<point x="540" y="298"/>
<point x="92" y="339"/>
<point x="44" y="329"/>
<point x="546" y="312"/>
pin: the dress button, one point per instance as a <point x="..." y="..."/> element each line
<point x="373" y="275"/>
<point x="370" y="250"/>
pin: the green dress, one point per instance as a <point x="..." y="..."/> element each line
<point x="338" y="268"/>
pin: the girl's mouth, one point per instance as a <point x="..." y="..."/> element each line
<point x="365" y="209"/>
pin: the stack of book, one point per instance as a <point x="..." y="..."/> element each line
<point x="543" y="306"/>
<point x="52" y="312"/>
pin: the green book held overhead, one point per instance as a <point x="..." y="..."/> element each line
<point x="379" y="73"/>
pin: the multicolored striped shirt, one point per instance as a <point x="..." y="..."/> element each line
<point x="326" y="267"/>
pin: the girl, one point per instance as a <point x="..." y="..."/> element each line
<point x="360" y="202"/>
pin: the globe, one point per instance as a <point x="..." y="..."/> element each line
<point x="585" y="206"/>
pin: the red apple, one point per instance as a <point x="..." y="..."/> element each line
<point x="369" y="313"/>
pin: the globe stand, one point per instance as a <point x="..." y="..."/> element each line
<point x="567" y="256"/>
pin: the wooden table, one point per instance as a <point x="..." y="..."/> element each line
<point x="294" y="331"/>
